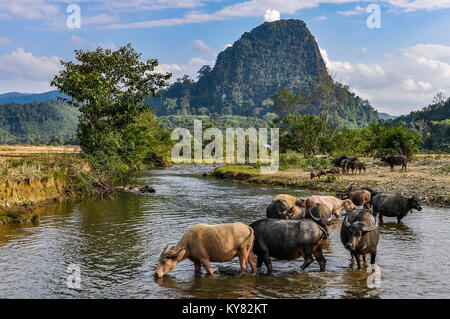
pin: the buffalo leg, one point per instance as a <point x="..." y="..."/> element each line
<point x="352" y="258"/>
<point x="399" y="219"/>
<point x="381" y="218"/>
<point x="251" y="260"/>
<point x="268" y="262"/>
<point x="373" y="255"/>
<point x="198" y="266"/>
<point x="207" y="266"/>
<point x="243" y="262"/>
<point x="319" y="257"/>
<point x="308" y="259"/>
<point x="358" y="261"/>
<point x="259" y="261"/>
<point x="364" y="259"/>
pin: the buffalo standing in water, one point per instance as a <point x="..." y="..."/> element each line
<point x="394" y="206"/>
<point x="360" y="235"/>
<point x="288" y="240"/>
<point x="204" y="243"/>
<point x="285" y="206"/>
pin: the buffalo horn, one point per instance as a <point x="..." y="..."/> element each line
<point x="346" y="223"/>
<point x="162" y="254"/>
<point x="310" y="210"/>
<point x="174" y="255"/>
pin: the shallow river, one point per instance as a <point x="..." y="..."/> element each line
<point x="116" y="244"/>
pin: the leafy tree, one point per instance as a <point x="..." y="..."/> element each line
<point x="55" y="140"/>
<point x="399" y="140"/>
<point x="325" y="90"/>
<point x="109" y="88"/>
<point x="307" y="134"/>
<point x="287" y="103"/>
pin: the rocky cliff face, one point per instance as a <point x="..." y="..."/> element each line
<point x="273" y="55"/>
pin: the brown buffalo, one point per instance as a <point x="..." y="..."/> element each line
<point x="358" y="166"/>
<point x="284" y="206"/>
<point x="336" y="205"/>
<point x="358" y="196"/>
<point x="204" y="243"/>
<point x="317" y="174"/>
<point x="334" y="170"/>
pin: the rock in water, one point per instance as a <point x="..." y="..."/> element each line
<point x="147" y="189"/>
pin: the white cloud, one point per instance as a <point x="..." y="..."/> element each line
<point x="400" y="82"/>
<point x="321" y="18"/>
<point x="356" y="11"/>
<point x="21" y="71"/>
<point x="254" y="8"/>
<point x="200" y="48"/>
<point x="271" y="15"/>
<point x="28" y="9"/>
<point x="76" y="41"/>
<point x="108" y="45"/>
<point x="204" y="55"/>
<point x="414" y="5"/>
<point x="4" y="41"/>
<point x="98" y="19"/>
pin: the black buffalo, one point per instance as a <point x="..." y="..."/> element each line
<point x="394" y="205"/>
<point x="288" y="240"/>
<point x="338" y="160"/>
<point x="360" y="235"/>
<point x="395" y="160"/>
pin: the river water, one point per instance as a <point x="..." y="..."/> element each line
<point x="116" y="244"/>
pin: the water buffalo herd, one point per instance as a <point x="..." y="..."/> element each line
<point x="296" y="227"/>
<point x="293" y="228"/>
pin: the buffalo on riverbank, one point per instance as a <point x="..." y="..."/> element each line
<point x="395" y="160"/>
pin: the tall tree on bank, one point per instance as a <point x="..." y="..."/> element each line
<point x="326" y="91"/>
<point x="116" y="129"/>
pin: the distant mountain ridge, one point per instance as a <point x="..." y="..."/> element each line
<point x="17" y="97"/>
<point x="385" y="116"/>
<point x="36" y="122"/>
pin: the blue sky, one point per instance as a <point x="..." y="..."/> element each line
<point x="398" y="67"/>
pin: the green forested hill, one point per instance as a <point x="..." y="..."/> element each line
<point x="36" y="122"/>
<point x="247" y="74"/>
<point x="433" y="122"/>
